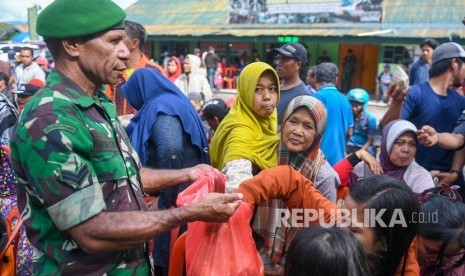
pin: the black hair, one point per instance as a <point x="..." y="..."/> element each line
<point x="386" y="194"/>
<point x="442" y="66"/>
<point x="27" y="49"/>
<point x="430" y="42"/>
<point x="4" y="76"/>
<point x="325" y="251"/>
<point x="210" y="113"/>
<point x="449" y="227"/>
<point x="136" y="31"/>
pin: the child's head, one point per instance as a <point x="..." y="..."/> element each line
<point x="442" y="233"/>
<point x="325" y="251"/>
<point x="387" y="232"/>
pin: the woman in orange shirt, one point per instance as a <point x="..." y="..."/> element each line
<point x="386" y="204"/>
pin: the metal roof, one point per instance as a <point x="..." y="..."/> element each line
<point x="407" y="19"/>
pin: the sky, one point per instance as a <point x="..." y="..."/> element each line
<point x="16" y="10"/>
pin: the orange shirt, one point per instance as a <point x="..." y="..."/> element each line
<point x="298" y="192"/>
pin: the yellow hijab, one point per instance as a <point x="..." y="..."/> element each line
<point x="242" y="134"/>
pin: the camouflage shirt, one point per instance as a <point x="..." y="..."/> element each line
<point x="74" y="161"/>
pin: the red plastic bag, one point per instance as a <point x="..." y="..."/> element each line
<point x="219" y="248"/>
<point x="210" y="182"/>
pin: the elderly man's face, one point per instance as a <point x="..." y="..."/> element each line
<point x="102" y="58"/>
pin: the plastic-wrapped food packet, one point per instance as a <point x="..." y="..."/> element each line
<point x="400" y="78"/>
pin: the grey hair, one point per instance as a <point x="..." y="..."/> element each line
<point x="326" y="72"/>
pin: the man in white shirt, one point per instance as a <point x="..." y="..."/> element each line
<point x="28" y="69"/>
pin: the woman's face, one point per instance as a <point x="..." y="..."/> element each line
<point x="172" y="66"/>
<point x="266" y="95"/>
<point x="299" y="130"/>
<point x="428" y="251"/>
<point x="403" y="150"/>
<point x="364" y="234"/>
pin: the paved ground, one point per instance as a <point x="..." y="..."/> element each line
<point x="377" y="109"/>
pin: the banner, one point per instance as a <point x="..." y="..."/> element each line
<point x="304" y="11"/>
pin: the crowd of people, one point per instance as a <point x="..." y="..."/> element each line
<point x="103" y="144"/>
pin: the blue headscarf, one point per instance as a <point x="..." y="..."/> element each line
<point x="151" y="93"/>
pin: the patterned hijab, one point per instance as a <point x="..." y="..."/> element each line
<point x="306" y="162"/>
<point x="391" y="133"/>
<point x="242" y="134"/>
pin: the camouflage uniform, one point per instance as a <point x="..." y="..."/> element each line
<point x="74" y="161"/>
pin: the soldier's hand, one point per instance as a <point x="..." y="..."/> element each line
<point x="216" y="207"/>
<point x="427" y="136"/>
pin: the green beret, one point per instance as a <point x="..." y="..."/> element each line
<point x="74" y="18"/>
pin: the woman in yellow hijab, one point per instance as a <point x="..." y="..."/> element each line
<point x="246" y="141"/>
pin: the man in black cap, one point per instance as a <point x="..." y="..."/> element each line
<point x="418" y="72"/>
<point x="214" y="112"/>
<point x="24" y="95"/>
<point x="290" y="59"/>
<point x="436" y="104"/>
<point x="81" y="194"/>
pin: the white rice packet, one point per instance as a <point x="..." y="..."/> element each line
<point x="400" y="78"/>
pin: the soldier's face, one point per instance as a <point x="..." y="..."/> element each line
<point x="102" y="58"/>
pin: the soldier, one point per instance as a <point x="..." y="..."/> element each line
<point x="80" y="192"/>
<point x="348" y="67"/>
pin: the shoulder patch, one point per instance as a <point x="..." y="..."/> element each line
<point x="76" y="179"/>
<point x="64" y="127"/>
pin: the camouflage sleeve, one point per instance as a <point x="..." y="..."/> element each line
<point x="52" y="159"/>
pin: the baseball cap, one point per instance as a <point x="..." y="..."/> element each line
<point x="448" y="50"/>
<point x="215" y="108"/>
<point x="293" y="50"/>
<point x="42" y="61"/>
<point x="37" y="83"/>
<point x="26" y="90"/>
